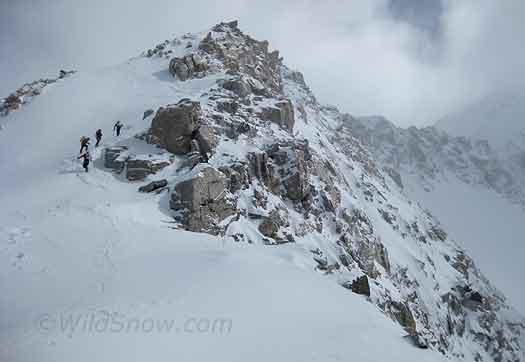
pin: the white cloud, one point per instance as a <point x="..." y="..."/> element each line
<point x="353" y="53"/>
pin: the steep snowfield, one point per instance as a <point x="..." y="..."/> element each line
<point x="76" y="244"/>
<point x="488" y="226"/>
<point x="305" y="201"/>
<point x="473" y="189"/>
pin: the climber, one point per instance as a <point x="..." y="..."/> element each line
<point x="84" y="143"/>
<point x="117" y="127"/>
<point x="86" y="157"/>
<point x="98" y="136"/>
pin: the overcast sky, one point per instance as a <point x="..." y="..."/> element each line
<point x="410" y="60"/>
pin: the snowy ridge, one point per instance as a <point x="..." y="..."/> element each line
<point x="250" y="157"/>
<point x="498" y="118"/>
<point x="27" y="92"/>
<point x="434" y="156"/>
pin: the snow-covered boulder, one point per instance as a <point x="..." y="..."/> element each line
<point x="204" y="201"/>
<point x="281" y="113"/>
<point x="154" y="186"/>
<point x="187" y="67"/>
<point x="115" y="157"/>
<point x="138" y="168"/>
<point x="175" y="126"/>
<point x="272" y="224"/>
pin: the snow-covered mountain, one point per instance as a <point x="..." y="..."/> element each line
<point x="476" y="190"/>
<point x="498" y="118"/>
<point x="260" y="209"/>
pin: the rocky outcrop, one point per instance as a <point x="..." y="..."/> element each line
<point x="187" y="67"/>
<point x="402" y="313"/>
<point x="272" y="224"/>
<point x="175" y="127"/>
<point x="154" y="186"/>
<point x="27" y="92"/>
<point x="139" y="168"/>
<point x="147" y="113"/>
<point x="11" y="103"/>
<point x="290" y="161"/>
<point x="283" y="168"/>
<point x="242" y="54"/>
<point x="237" y="86"/>
<point x="261" y="166"/>
<point x="360" y="286"/>
<point x="281" y="113"/>
<point x="238" y="175"/>
<point x="229" y="106"/>
<point x="331" y="197"/>
<point x="115" y="157"/>
<point x="362" y="244"/>
<point x="203" y="201"/>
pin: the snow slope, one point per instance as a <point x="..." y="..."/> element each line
<point x="487" y="225"/>
<point x="85" y="246"/>
<point x="474" y="190"/>
<point x="75" y="243"/>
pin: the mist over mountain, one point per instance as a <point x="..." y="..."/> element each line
<point x="412" y="61"/>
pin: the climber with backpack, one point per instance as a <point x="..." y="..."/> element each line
<point x="98" y="136"/>
<point x="117" y="127"/>
<point x="84" y="143"/>
<point x="86" y="157"/>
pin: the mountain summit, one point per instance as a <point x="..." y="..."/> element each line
<point x="229" y="147"/>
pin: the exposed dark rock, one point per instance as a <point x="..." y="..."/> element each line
<point x="242" y="54"/>
<point x="204" y="201"/>
<point x="402" y="313"/>
<point x="331" y="197"/>
<point x="297" y="77"/>
<point x="292" y="169"/>
<point x="153" y="186"/>
<point x="237" y="86"/>
<point x="271" y="225"/>
<point x="261" y="167"/>
<point x="222" y="27"/>
<point x="437" y="233"/>
<point x="361" y="286"/>
<point x="322" y="264"/>
<point x="186" y="67"/>
<point x="228" y="106"/>
<point x="147" y="113"/>
<point x="65" y="73"/>
<point x="418" y="341"/>
<point x="388" y="217"/>
<point x="113" y="159"/>
<point x="12" y="102"/>
<point x="259" y="199"/>
<point x="206" y="140"/>
<point x="281" y="114"/>
<point x="239" y="176"/>
<point x="175" y="127"/>
<point x="139" y="168"/>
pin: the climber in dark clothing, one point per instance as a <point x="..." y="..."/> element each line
<point x="117" y="127"/>
<point x="85" y="159"/>
<point x="98" y="136"/>
<point x="84" y="143"/>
